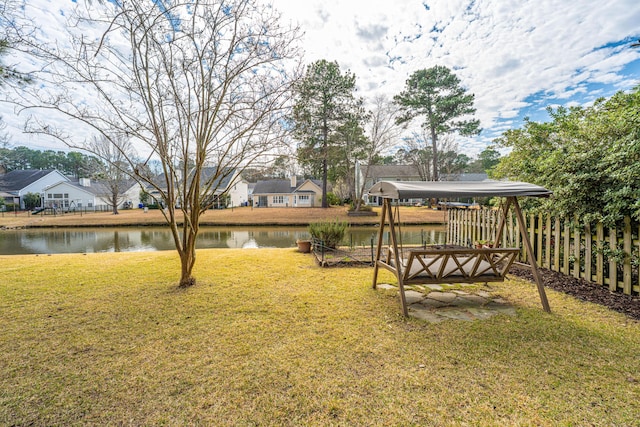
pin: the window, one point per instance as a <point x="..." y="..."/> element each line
<point x="303" y="198"/>
<point x="57" y="196"/>
<point x="278" y="199"/>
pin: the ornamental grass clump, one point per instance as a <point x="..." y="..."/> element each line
<point x="330" y="233"/>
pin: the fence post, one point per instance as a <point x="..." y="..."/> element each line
<point x="626" y="269"/>
<point x="540" y="231"/>
<point x="588" y="256"/>
<point x="557" y="236"/>
<point x="613" y="265"/>
<point x="566" y="268"/>
<point x="547" y="243"/>
<point x="576" y="250"/>
<point x="599" y="254"/>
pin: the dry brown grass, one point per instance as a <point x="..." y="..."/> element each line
<point x="235" y="216"/>
<point x="266" y="337"/>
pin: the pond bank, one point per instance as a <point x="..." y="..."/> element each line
<point x="245" y="216"/>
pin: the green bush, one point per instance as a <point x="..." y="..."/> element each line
<point x="333" y="200"/>
<point x="330" y="233"/>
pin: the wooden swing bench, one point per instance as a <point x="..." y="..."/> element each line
<point x="436" y="265"/>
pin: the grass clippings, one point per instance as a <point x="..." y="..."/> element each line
<point x="266" y="337"/>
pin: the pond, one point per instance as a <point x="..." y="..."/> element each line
<point x="130" y="239"/>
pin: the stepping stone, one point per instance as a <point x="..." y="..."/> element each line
<point x="456" y="314"/>
<point x="423" y="314"/>
<point x="435" y="287"/>
<point x="446" y="297"/>
<point x="470" y="300"/>
<point x="413" y="296"/>
<point x="484" y="294"/>
<point x="461" y="292"/>
<point x="386" y="286"/>
<point x="432" y="303"/>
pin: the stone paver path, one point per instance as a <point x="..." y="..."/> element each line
<point x="436" y="303"/>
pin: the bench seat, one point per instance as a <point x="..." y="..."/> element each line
<point x="459" y="265"/>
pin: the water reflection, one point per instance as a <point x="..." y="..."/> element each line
<point x="88" y="240"/>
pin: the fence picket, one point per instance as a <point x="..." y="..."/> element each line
<point x="559" y="246"/>
<point x="599" y="254"/>
<point x="566" y="268"/>
<point x="576" y="251"/>
<point x="613" y="265"/>
<point x="626" y="268"/>
<point x="588" y="256"/>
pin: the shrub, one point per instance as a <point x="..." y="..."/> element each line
<point x="330" y="233"/>
<point x="333" y="200"/>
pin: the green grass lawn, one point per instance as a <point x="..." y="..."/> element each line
<point x="268" y="338"/>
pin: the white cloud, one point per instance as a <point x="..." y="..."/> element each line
<point x="504" y="52"/>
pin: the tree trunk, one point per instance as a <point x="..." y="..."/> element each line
<point x="187" y="261"/>
<point x="434" y="142"/>
<point x="114" y="203"/>
<point x="325" y="135"/>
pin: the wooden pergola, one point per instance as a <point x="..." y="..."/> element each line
<point x="453" y="265"/>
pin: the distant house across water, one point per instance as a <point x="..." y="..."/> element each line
<point x="286" y="193"/>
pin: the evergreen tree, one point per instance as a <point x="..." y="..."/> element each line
<point x="436" y="96"/>
<point x="324" y="104"/>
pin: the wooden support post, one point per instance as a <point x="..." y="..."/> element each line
<point x="532" y="258"/>
<point x="502" y="222"/>
<point x="397" y="259"/>
<point x="379" y="246"/>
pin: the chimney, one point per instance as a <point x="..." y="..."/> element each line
<point x="84" y="182"/>
<point x="294" y="181"/>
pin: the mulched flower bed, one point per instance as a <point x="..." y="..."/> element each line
<point x="583" y="290"/>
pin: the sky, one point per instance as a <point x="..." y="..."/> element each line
<point x="516" y="57"/>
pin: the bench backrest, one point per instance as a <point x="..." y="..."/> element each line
<point x="432" y="265"/>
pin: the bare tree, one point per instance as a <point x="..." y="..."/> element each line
<point x="382" y="131"/>
<point x="115" y="172"/>
<point x="193" y="84"/>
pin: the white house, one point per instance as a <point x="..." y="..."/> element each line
<point x="87" y="195"/>
<point x="227" y="182"/>
<point x="284" y="193"/>
<point x="16" y="184"/>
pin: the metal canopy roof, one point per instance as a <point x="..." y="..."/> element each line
<point x="455" y="189"/>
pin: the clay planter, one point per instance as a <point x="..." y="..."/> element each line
<point x="304" y="246"/>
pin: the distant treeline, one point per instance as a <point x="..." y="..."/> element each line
<point x="72" y="164"/>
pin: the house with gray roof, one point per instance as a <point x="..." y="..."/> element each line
<point x="86" y="194"/>
<point x="223" y="186"/>
<point x="16" y="184"/>
<point x="286" y="193"/>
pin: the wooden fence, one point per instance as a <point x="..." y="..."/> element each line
<point x="606" y="256"/>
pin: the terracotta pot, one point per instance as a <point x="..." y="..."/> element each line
<point x="304" y="246"/>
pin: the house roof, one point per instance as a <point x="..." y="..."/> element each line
<point x="222" y="181"/>
<point x="273" y="186"/>
<point x="282" y="186"/>
<point x="455" y="189"/>
<point x="392" y="171"/>
<point x="16" y="180"/>
<point x="97" y="188"/>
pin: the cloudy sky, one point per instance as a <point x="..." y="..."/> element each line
<point x="516" y="57"/>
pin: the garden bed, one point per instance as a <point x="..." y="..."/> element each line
<point x="584" y="290"/>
